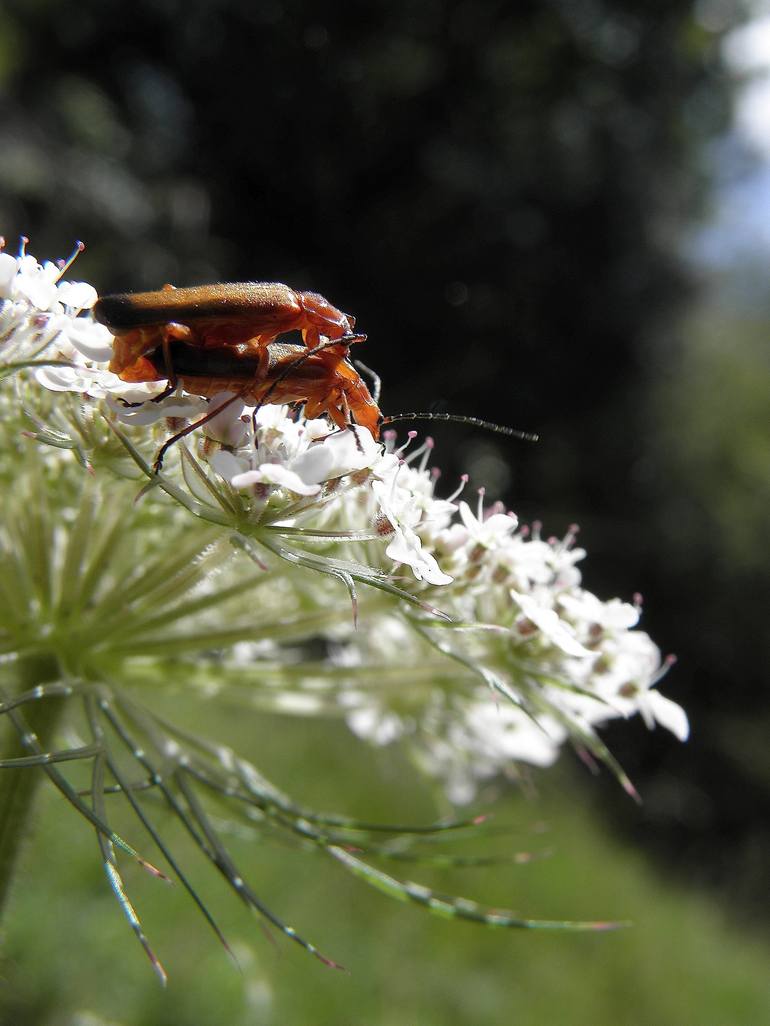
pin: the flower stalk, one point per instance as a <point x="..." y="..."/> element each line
<point x="18" y="789"/>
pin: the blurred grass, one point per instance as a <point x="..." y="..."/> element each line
<point x="70" y="960"/>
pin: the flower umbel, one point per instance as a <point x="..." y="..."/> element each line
<point x="457" y="631"/>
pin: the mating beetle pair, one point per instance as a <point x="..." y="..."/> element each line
<point x="222" y="338"/>
<point x="218" y="338"/>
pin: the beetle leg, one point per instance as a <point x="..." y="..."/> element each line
<point x="178" y="332"/>
<point x="256" y="346"/>
<point x="314" y="409"/>
<point x="168" y="363"/>
<point x="349" y="422"/>
<point x="156" y="467"/>
<point x="340" y="412"/>
<point x="311" y="337"/>
<point x="263" y="356"/>
<point x="352" y="427"/>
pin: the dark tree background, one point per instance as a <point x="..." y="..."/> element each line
<point x="497" y="191"/>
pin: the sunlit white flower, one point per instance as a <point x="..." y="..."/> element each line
<point x="36" y="283"/>
<point x="273" y="474"/>
<point x="340" y="453"/>
<point x="230" y="425"/>
<point x="9" y="267"/>
<point x="405" y="545"/>
<point x="483" y="739"/>
<point x="294" y="455"/>
<point x="76" y="296"/>
<point x="490" y="531"/>
<point x="585" y="608"/>
<point x="43" y="316"/>
<point x="656" y="708"/>
<point x="548" y="622"/>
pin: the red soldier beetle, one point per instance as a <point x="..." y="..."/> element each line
<point x="221" y="338"/>
<point x="245" y="314"/>
<point x="322" y="378"/>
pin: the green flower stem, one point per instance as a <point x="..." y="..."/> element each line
<point x="17" y="787"/>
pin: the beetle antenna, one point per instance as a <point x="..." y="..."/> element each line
<point x="457" y="418"/>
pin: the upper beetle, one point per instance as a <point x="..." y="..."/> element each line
<point x="250" y="315"/>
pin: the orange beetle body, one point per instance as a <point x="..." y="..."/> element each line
<point x="243" y="314"/>
<point x="321" y="378"/>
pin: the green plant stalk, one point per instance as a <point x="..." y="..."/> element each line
<point x="18" y="787"/>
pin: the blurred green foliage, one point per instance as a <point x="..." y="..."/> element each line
<point x="69" y="954"/>
<point x="713" y="412"/>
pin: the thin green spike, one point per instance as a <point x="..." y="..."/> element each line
<point x="127" y="790"/>
<point x="198" y="509"/>
<point x="192" y="606"/>
<point x="454" y="907"/>
<point x="247" y="774"/>
<point x="7" y="369"/>
<point x="40" y="691"/>
<point x="130" y="912"/>
<point x="220" y="496"/>
<point x="48" y="758"/>
<point x="445" y="860"/>
<point x="131" y="786"/>
<point x="359" y="572"/>
<point x="229" y="870"/>
<point x="29" y="740"/>
<point x="113" y="875"/>
<point x="317" y="534"/>
<point x="168" y="575"/>
<point x="140" y="756"/>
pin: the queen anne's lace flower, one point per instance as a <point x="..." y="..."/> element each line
<point x="524" y="658"/>
<point x="399" y="517"/>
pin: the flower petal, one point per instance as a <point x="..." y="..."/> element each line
<point x="547" y="620"/>
<point x="406" y="547"/>
<point x="275" y="474"/>
<point x="668" y="714"/>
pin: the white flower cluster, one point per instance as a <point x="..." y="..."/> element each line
<point x="43" y="316"/>
<point x="39" y="311"/>
<point x="547" y="661"/>
<point x="524" y="658"/>
<point x="46" y="320"/>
